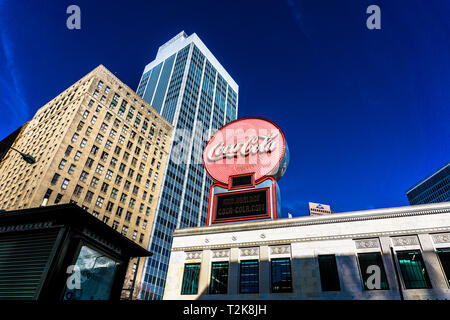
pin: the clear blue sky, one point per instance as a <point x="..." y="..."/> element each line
<point x="366" y="113"/>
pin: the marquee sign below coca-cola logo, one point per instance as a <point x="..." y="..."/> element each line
<point x="253" y="145"/>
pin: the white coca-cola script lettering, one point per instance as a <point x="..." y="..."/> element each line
<point x="255" y="144"/>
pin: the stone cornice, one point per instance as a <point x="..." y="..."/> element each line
<point x="354" y="216"/>
<point x="355" y="236"/>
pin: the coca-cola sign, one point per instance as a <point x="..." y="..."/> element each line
<point x="246" y="146"/>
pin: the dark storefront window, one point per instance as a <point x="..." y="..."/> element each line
<point x="219" y="278"/>
<point x="190" y="278"/>
<point x="366" y="260"/>
<point x="329" y="276"/>
<point x="92" y="276"/>
<point x="281" y="275"/>
<point x="249" y="276"/>
<point x="444" y="256"/>
<point x="413" y="270"/>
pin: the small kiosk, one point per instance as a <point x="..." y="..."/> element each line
<point x="61" y="253"/>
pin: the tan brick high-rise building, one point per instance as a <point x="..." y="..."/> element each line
<point x="99" y="145"/>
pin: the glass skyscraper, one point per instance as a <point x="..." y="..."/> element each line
<point x="190" y="88"/>
<point x="435" y="188"/>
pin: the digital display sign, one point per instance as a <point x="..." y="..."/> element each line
<point x="231" y="206"/>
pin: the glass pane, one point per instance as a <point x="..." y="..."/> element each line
<point x="444" y="256"/>
<point x="219" y="278"/>
<point x="372" y="259"/>
<point x="96" y="276"/>
<point x="413" y="270"/>
<point x="249" y="276"/>
<point x="281" y="275"/>
<point x="329" y="276"/>
<point x="190" y="278"/>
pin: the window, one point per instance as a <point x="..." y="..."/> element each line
<point x="99" y="202"/>
<point x="131" y="203"/>
<point x="77" y="190"/>
<point x="71" y="169"/>
<point x="124" y="230"/>
<point x="249" y="276"/>
<point x="329" y="276"/>
<point x="58" y="198"/>
<point x="109" y="206"/>
<point x="138" y="221"/>
<point x="367" y="260"/>
<point x="99" y="169"/>
<point x="99" y="138"/>
<point x="62" y="164"/>
<point x="94" y="150"/>
<point x="444" y="257"/>
<point x="94" y="118"/>
<point x="88" y="196"/>
<point x="68" y="150"/>
<point x="48" y="193"/>
<point x="104" y="187"/>
<point x="219" y="278"/>
<point x="119" y="211"/>
<point x="55" y="178"/>
<point x="80" y="125"/>
<point x="94" y="182"/>
<point x="89" y="162"/>
<point x="77" y="156"/>
<point x="128" y="216"/>
<point x="74" y="137"/>
<point x="114" y="192"/>
<point x="83" y="143"/>
<point x="109" y="174"/>
<point x="113" y="162"/>
<point x="86" y="114"/>
<point x="191" y="277"/>
<point x="83" y="176"/>
<point x="88" y="130"/>
<point x="281" y="275"/>
<point x="413" y="270"/>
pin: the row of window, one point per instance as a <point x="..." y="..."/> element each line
<point x="412" y="269"/>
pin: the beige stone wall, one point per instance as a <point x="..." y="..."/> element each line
<point x="114" y="168"/>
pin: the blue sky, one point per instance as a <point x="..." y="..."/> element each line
<point x="365" y="112"/>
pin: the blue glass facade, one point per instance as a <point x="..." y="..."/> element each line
<point x="191" y="94"/>
<point x="435" y="188"/>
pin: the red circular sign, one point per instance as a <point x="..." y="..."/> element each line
<point x="246" y="146"/>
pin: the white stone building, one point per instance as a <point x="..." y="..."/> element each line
<point x="320" y="257"/>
